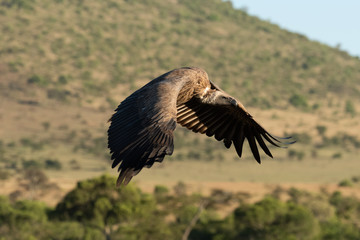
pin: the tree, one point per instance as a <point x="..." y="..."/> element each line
<point x="270" y="219"/>
<point x="118" y="213"/>
<point x="35" y="182"/>
<point x="22" y="219"/>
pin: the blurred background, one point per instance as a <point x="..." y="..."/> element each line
<point x="65" y="66"/>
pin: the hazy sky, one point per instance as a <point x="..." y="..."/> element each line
<point x="332" y="22"/>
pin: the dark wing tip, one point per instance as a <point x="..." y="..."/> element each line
<point x="283" y="141"/>
<point x="125" y="176"/>
<point x="257" y="135"/>
<point x="254" y="149"/>
<point x="227" y="143"/>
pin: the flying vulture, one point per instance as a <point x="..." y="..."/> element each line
<point x="141" y="129"/>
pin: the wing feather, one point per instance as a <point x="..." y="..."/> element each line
<point x="141" y="129"/>
<point x="252" y="143"/>
<point x="220" y="134"/>
<point x="239" y="140"/>
<point x="216" y="125"/>
<point x="262" y="144"/>
<point x="231" y="124"/>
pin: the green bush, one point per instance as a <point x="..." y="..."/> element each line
<point x="38" y="80"/>
<point x="296" y="154"/>
<point x="35" y="146"/>
<point x="19" y="4"/>
<point x="161" y="190"/>
<point x="345" y="183"/>
<point x="271" y="219"/>
<point x="27" y="164"/>
<point x="63" y="80"/>
<point x="298" y="101"/>
<point x="14" y="66"/>
<point x="53" y="164"/>
<point x="350" y="108"/>
<point x="95" y="209"/>
<point x="321" y="130"/>
<point x="343" y="140"/>
<point x="58" y="94"/>
<point x="337" y="230"/>
<point x="347" y="208"/>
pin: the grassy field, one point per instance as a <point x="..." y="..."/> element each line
<point x="318" y="166"/>
<point x="236" y="176"/>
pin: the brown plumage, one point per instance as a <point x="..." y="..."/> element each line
<point x="141" y="130"/>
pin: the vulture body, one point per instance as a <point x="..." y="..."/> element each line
<point x="141" y="129"/>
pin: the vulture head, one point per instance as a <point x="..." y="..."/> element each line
<point x="224" y="99"/>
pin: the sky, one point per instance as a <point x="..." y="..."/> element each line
<point x="333" y="22"/>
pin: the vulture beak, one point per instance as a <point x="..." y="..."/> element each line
<point x="233" y="102"/>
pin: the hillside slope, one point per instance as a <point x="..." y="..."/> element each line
<point x="80" y="50"/>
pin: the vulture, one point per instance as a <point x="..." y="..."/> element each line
<point x="141" y="129"/>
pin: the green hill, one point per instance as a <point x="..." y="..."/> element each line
<point x="79" y="50"/>
<point x="65" y="65"/>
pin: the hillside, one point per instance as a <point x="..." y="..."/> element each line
<point x="65" y="65"/>
<point x="79" y="50"/>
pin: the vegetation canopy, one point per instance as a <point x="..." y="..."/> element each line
<point x="94" y="209"/>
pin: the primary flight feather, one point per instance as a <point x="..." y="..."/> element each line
<point x="141" y="129"/>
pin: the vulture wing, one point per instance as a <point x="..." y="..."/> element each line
<point x="228" y="123"/>
<point x="141" y="129"/>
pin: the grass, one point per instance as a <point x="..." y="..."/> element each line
<point x="101" y="46"/>
<point x="319" y="170"/>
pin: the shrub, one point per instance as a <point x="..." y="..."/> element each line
<point x="27" y="164"/>
<point x="58" y="94"/>
<point x="337" y="230"/>
<point x="345" y="183"/>
<point x="46" y="125"/>
<point x="27" y="142"/>
<point x="19" y="4"/>
<point x="53" y="164"/>
<point x="38" y="80"/>
<point x="296" y="154"/>
<point x="14" y="66"/>
<point x="350" y="108"/>
<point x="321" y="129"/>
<point x="298" y="101"/>
<point x="159" y="189"/>
<point x="62" y="80"/>
<point x="272" y="219"/>
<point x="355" y="179"/>
<point x="346" y="207"/>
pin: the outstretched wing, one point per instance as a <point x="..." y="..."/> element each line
<point x="228" y="123"/>
<point x="141" y="130"/>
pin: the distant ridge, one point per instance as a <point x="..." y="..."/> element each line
<point x="80" y="50"/>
